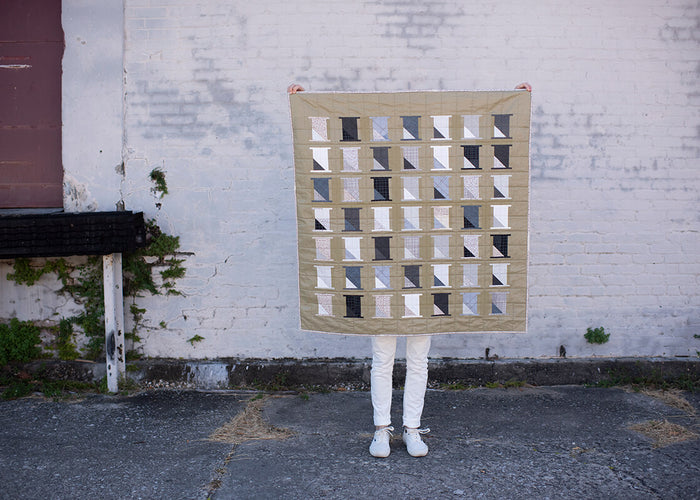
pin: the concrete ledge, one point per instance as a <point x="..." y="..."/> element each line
<point x="355" y="373"/>
<point x="564" y="371"/>
<point x="53" y="369"/>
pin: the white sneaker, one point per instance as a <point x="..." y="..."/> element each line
<point x="380" y="444"/>
<point x="414" y="444"/>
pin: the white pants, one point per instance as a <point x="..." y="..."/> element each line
<point x="383" y="352"/>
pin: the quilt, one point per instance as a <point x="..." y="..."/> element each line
<point x="412" y="211"/>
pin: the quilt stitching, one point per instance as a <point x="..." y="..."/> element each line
<point x="419" y="225"/>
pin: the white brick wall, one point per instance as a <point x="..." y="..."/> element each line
<point x="614" y="191"/>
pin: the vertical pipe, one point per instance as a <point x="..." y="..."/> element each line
<point x="110" y="323"/>
<point x="119" y="314"/>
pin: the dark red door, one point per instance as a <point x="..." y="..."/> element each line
<point x="31" y="49"/>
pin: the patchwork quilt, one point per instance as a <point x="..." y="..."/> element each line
<point x="412" y="211"/>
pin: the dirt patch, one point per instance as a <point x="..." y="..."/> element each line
<point x="671" y="397"/>
<point x="248" y="425"/>
<point x="664" y="433"/>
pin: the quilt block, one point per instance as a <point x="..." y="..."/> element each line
<point x="412" y="211"/>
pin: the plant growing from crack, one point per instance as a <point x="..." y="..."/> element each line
<point x="195" y="339"/>
<point x="159" y="184"/>
<point x="596" y="335"/>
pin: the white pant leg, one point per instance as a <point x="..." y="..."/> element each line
<point x="417" y="347"/>
<point x="383" y="353"/>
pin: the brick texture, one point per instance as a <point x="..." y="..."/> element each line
<point x="614" y="190"/>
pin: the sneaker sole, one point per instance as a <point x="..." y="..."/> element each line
<point x="379" y="455"/>
<point x="419" y="455"/>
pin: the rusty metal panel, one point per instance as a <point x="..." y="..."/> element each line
<point x="31" y="20"/>
<point x="31" y="49"/>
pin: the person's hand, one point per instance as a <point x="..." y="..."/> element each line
<point x="524" y="86"/>
<point x="294" y="88"/>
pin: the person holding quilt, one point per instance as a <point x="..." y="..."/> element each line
<point x="383" y="353"/>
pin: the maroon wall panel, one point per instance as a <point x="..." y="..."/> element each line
<point x="31" y="49"/>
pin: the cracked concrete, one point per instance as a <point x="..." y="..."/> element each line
<point x="565" y="442"/>
<point x="548" y="442"/>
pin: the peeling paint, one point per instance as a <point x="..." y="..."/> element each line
<point x="76" y="196"/>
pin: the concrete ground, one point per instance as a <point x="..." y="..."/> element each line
<point x="545" y="442"/>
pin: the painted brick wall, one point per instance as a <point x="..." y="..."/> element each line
<point x="614" y="191"/>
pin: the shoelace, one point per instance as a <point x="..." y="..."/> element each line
<point x="419" y="431"/>
<point x="388" y="429"/>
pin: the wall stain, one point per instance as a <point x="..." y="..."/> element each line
<point x="415" y="21"/>
<point x="214" y="104"/>
<point x="682" y="37"/>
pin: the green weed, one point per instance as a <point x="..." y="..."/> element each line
<point x="195" y="339"/>
<point x="656" y="380"/>
<point x="19" y="341"/>
<point x="64" y="341"/>
<point x="158" y="178"/>
<point x="596" y="335"/>
<point x="510" y="384"/>
<point x="17" y="390"/>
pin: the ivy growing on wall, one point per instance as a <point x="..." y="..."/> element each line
<point x="85" y="285"/>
